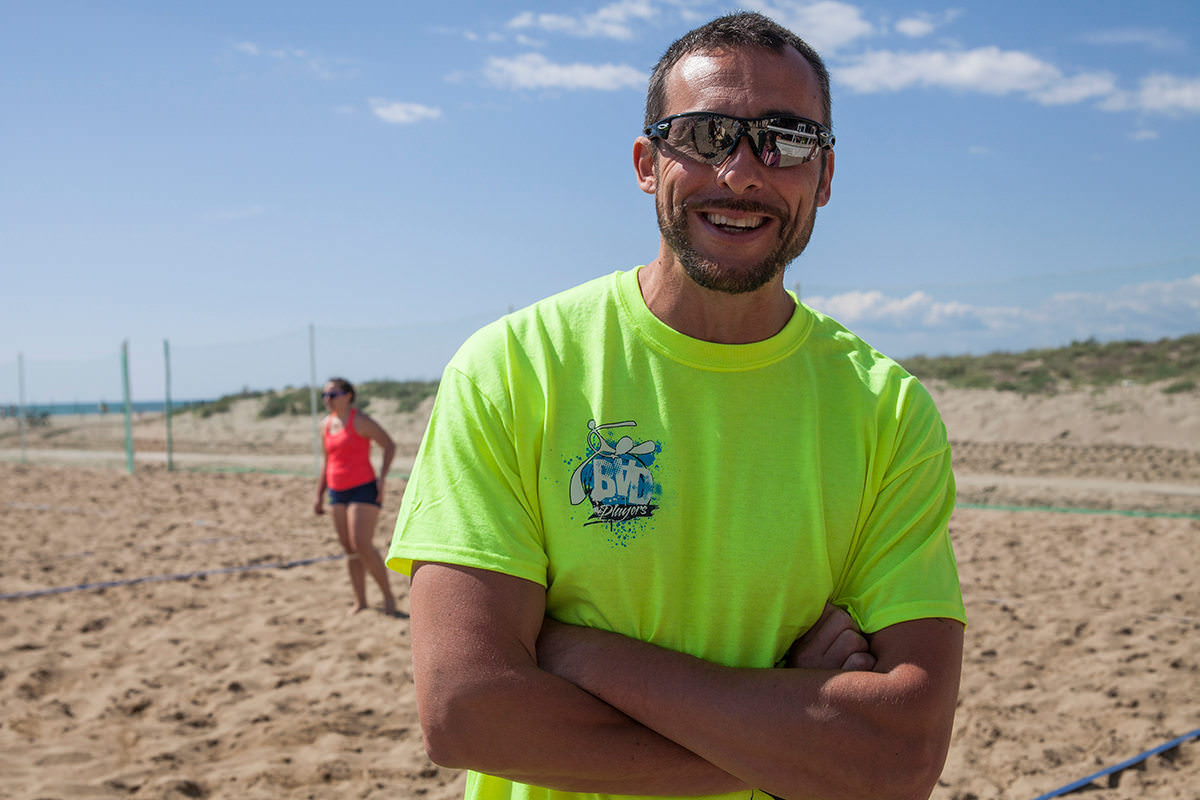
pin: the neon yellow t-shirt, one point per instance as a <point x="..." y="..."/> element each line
<point x="708" y="498"/>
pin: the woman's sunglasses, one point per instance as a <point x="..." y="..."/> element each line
<point x="710" y="138"/>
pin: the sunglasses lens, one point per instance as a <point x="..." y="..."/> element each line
<point x="711" y="138"/>
<point x="789" y="142"/>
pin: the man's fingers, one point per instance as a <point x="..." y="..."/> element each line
<point x="859" y="662"/>
<point x="848" y="643"/>
<point x="828" y="644"/>
<point x="823" y="635"/>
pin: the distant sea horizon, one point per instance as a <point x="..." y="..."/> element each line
<point x="84" y="409"/>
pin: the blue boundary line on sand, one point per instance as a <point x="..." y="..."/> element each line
<point x="1124" y="765"/>
<point x="179" y="576"/>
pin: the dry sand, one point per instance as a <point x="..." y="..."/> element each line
<point x="247" y="679"/>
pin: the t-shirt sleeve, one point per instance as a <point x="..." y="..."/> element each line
<point x="466" y="502"/>
<point x="903" y="565"/>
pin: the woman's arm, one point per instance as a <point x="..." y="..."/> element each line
<point x="319" y="503"/>
<point x="369" y="428"/>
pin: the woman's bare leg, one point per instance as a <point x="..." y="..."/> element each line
<point x="363" y="519"/>
<point x="342" y="519"/>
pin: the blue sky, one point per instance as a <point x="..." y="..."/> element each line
<point x="225" y="174"/>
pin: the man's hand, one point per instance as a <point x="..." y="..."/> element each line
<point x="833" y="642"/>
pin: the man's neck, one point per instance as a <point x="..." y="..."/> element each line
<point x="709" y="315"/>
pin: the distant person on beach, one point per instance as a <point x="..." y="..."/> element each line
<point x="673" y="532"/>
<point x="355" y="491"/>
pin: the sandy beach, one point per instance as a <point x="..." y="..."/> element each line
<point x="182" y="634"/>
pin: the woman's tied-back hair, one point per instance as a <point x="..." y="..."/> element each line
<point x="732" y="32"/>
<point x="345" y="385"/>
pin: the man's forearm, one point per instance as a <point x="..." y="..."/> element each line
<point x="486" y="705"/>
<point x="542" y="730"/>
<point x="792" y="732"/>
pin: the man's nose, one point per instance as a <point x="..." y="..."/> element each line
<point x="742" y="170"/>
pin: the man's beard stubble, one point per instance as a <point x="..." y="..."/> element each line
<point x="710" y="274"/>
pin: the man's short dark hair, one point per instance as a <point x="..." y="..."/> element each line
<point x="733" y="31"/>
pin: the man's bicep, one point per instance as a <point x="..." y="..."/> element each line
<point x="474" y="634"/>
<point x="934" y="643"/>
<point x="924" y="656"/>
<point x="470" y="614"/>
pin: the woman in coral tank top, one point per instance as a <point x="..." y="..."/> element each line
<point x="355" y="492"/>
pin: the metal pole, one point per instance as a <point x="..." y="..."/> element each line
<point x="21" y="401"/>
<point x="312" y="398"/>
<point x="128" y="406"/>
<point x="170" y="444"/>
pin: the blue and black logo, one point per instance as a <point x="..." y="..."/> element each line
<point x="616" y="476"/>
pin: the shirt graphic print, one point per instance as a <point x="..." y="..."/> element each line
<point x="616" y="477"/>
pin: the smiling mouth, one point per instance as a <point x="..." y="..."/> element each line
<point x="736" y="224"/>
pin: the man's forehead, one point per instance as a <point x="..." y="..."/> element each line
<point x="781" y="79"/>
<point x="699" y="67"/>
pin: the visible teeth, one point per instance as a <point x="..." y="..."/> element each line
<point x="742" y="222"/>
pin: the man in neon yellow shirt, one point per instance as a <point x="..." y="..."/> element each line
<point x="672" y="532"/>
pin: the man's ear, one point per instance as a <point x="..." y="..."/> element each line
<point x="825" y="189"/>
<point x="643" y="165"/>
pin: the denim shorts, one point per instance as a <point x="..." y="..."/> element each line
<point x="366" y="493"/>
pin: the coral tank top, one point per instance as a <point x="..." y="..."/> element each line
<point x="348" y="456"/>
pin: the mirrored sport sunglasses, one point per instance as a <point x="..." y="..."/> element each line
<point x="780" y="141"/>
<point x="332" y="394"/>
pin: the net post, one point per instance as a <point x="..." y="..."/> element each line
<point x="312" y="398"/>
<point x="167" y="396"/>
<point x="128" y="406"/>
<point x="21" y="401"/>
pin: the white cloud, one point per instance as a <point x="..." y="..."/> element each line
<point x="610" y="22"/>
<point x="989" y="70"/>
<point x="1076" y="89"/>
<point x="535" y="71"/>
<point x="1143" y="311"/>
<point x="923" y="24"/>
<point x="915" y="27"/>
<point x="529" y="41"/>
<point x="1159" y="93"/>
<point x="1143" y="135"/>
<point x="827" y="25"/>
<point x="1151" y="299"/>
<point x="918" y="323"/>
<point x="917" y="309"/>
<point x="992" y="70"/>
<point x="402" y="113"/>
<point x="1152" y="38"/>
<point x="293" y="55"/>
